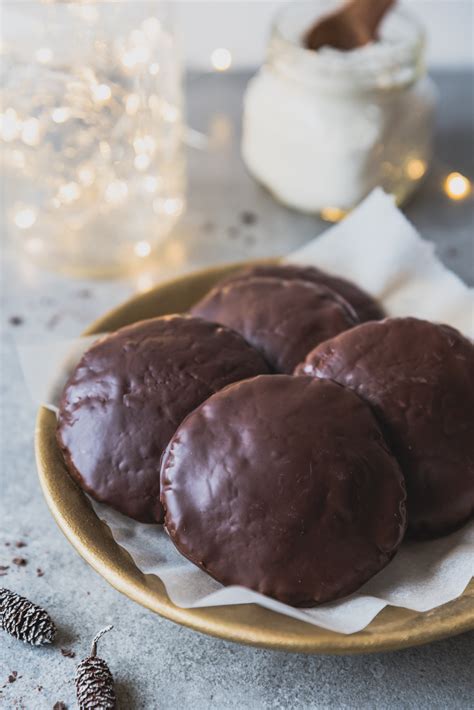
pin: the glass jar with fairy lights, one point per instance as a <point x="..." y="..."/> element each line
<point x="91" y="132"/>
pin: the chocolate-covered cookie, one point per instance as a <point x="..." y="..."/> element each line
<point x="282" y="319"/>
<point x="419" y="379"/>
<point x="129" y="393"/>
<point x="284" y="485"/>
<point x="364" y="305"/>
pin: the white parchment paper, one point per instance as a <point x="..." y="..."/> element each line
<point x="377" y="248"/>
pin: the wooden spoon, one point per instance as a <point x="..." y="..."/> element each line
<point x="353" y="25"/>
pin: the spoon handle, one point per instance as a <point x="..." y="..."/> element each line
<point x="369" y="12"/>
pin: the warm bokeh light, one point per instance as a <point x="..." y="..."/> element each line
<point x="172" y="206"/>
<point x="44" y="55"/>
<point x="30" y="132"/>
<point x="221" y="59"/>
<point x="60" y="114"/>
<point x="116" y="191"/>
<point x="135" y="56"/>
<point x="132" y="104"/>
<point x="142" y="249"/>
<point x="142" y="161"/>
<point x="86" y="175"/>
<point x="169" y="112"/>
<point x="415" y="169"/>
<point x="101" y="93"/>
<point x="25" y="218"/>
<point x="144" y="144"/>
<point x="69" y="192"/>
<point x="10" y="125"/>
<point x="332" y="214"/>
<point x="150" y="183"/>
<point x="457" y="186"/>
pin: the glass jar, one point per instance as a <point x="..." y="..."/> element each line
<point x="322" y="129"/>
<point x="91" y="132"/>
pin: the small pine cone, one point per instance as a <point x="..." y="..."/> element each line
<point x="25" y="620"/>
<point x="94" y="681"/>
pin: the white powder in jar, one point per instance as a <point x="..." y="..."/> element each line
<point x="322" y="129"/>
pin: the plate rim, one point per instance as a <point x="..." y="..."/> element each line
<point x="233" y="623"/>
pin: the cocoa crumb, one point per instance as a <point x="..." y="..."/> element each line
<point x="208" y="227"/>
<point x="20" y="543"/>
<point x="68" y="653"/>
<point x="59" y="706"/>
<point x="248" y="217"/>
<point x="4" y="569"/>
<point x="53" y="321"/>
<point x="13" y="676"/>
<point x="15" y="320"/>
<point x="39" y="688"/>
<point x="20" y="561"/>
<point x="39" y="572"/>
<point x="7" y="544"/>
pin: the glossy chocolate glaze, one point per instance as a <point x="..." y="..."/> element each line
<point x="284" y="485"/>
<point x="364" y="305"/>
<point x="419" y="379"/>
<point x="128" y="394"/>
<point x="284" y="320"/>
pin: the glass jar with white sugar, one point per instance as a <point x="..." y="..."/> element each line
<point x="322" y="128"/>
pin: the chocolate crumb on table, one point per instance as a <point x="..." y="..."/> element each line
<point x="4" y="570"/>
<point x="248" y="217"/>
<point x="208" y="227"/>
<point x="68" y="653"/>
<point x="20" y="543"/>
<point x="13" y="676"/>
<point x="20" y="561"/>
<point x="59" y="705"/>
<point x="16" y="320"/>
<point x="39" y="572"/>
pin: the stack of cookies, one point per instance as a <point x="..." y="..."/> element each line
<point x="286" y="433"/>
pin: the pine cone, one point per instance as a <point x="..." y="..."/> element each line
<point x="94" y="681"/>
<point x="25" y="620"/>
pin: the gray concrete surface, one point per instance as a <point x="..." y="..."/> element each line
<point x="158" y="665"/>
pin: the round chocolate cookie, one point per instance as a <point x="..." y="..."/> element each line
<point x="364" y="305"/>
<point x="282" y="319"/>
<point x="419" y="379"/>
<point x="284" y="485"/>
<point x="128" y="394"/>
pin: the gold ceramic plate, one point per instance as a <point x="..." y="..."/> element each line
<point x="392" y="629"/>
